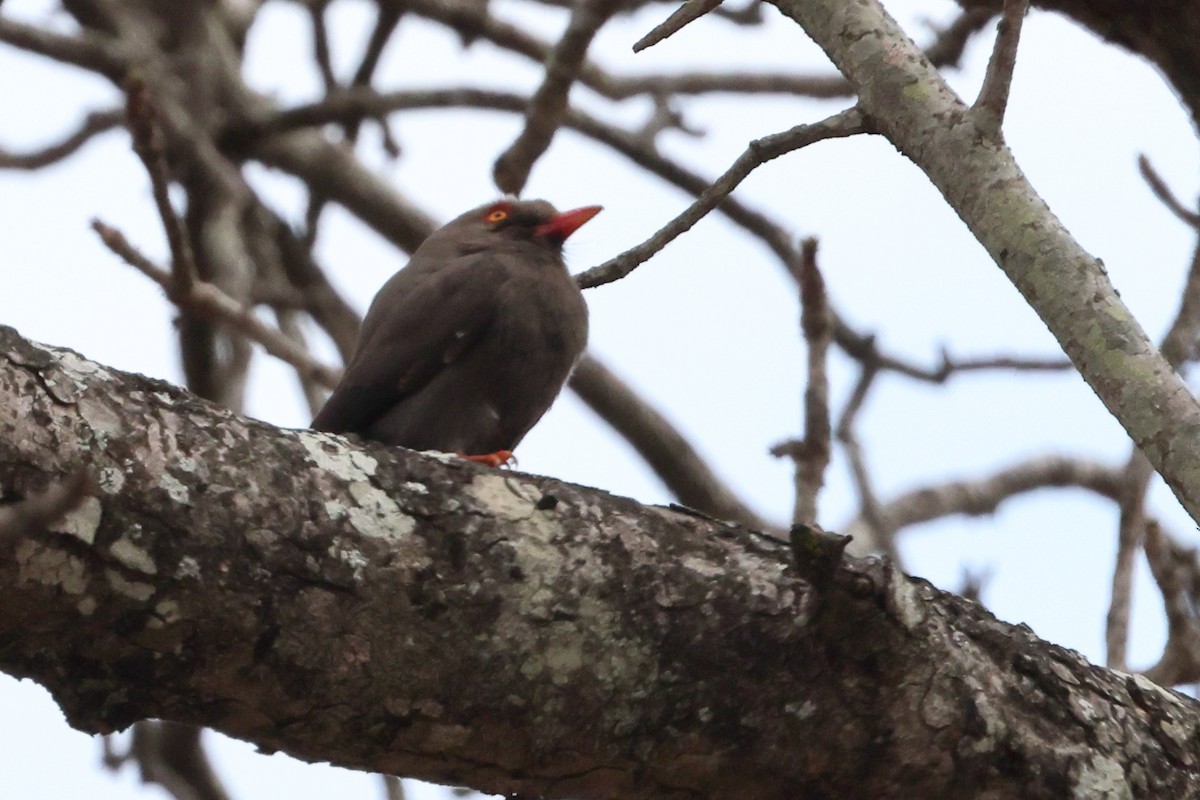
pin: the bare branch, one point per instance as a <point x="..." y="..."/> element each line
<point x="148" y="144"/>
<point x="1177" y="574"/>
<point x="984" y="495"/>
<point x="992" y="102"/>
<point x="393" y="788"/>
<point x="1178" y="346"/>
<point x="873" y="535"/>
<point x="811" y="454"/>
<point x="385" y="25"/>
<point x="87" y="50"/>
<point x="334" y="172"/>
<point x="656" y="440"/>
<point x="205" y="299"/>
<point x="171" y="755"/>
<point x="665" y="117"/>
<point x="548" y="106"/>
<point x="689" y="12"/>
<point x="949" y="42"/>
<point x="759" y="152"/>
<point x="1134" y="480"/>
<point x="94" y="124"/>
<point x="1164" y="193"/>
<point x="366" y="196"/>
<point x="320" y="34"/>
<point x="472" y="20"/>
<point x="863" y="347"/>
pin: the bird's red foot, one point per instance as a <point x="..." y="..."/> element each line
<point x="500" y="458"/>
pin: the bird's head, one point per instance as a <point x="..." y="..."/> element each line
<point x="510" y="220"/>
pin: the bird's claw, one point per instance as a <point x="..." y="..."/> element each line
<point x="500" y="458"/>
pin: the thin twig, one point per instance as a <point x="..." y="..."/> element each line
<point x="94" y="124"/>
<point x="759" y="152"/>
<point x="148" y="144"/>
<point x="1177" y="573"/>
<point x="690" y="11"/>
<point x="385" y="25"/>
<point x="811" y="454"/>
<point x="992" y="102"/>
<point x="1135" y="479"/>
<point x="872" y="535"/>
<point x="472" y="18"/>
<point x="208" y="300"/>
<point x="314" y="391"/>
<point x="863" y="347"/>
<point x="665" y="117"/>
<point x="1165" y="195"/>
<point x="320" y="34"/>
<point x="548" y="106"/>
<point x="981" y="496"/>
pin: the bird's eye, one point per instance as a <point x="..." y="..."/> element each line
<point x="497" y="215"/>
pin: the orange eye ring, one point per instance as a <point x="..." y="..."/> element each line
<point x="496" y="215"/>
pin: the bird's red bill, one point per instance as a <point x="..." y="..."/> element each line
<point x="560" y="227"/>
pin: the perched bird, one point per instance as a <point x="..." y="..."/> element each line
<point x="465" y="348"/>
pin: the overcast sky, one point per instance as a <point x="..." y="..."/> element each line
<point x="707" y="330"/>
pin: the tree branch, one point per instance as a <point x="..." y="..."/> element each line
<point x="992" y="102"/>
<point x="93" y="125"/>
<point x="207" y="300"/>
<point x="88" y="50"/>
<point x="811" y="454"/>
<point x="548" y="106"/>
<point x="984" y="495"/>
<point x="687" y="13"/>
<point x="758" y="152"/>
<point x="1164" y="193"/>
<point x="383" y="609"/>
<point x="1065" y="285"/>
<point x="673" y="459"/>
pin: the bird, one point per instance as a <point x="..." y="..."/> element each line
<point x="467" y="346"/>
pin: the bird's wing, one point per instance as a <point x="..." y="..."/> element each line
<point x="417" y="325"/>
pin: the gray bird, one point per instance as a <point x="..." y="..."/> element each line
<point x="465" y="348"/>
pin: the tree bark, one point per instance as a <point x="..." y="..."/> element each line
<point x="421" y="616"/>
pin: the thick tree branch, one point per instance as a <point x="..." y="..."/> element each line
<point x="382" y="609"/>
